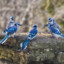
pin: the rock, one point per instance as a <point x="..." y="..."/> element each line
<point x="41" y="48"/>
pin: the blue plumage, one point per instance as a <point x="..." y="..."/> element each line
<point x="56" y="25"/>
<point x="5" y="30"/>
<point x="10" y="24"/>
<point x="10" y="31"/>
<point x="31" y="35"/>
<point x="55" y="31"/>
<point x="24" y="44"/>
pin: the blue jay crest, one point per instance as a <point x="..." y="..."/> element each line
<point x="50" y="21"/>
<point x="12" y="17"/>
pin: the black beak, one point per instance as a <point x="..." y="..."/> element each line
<point x="45" y="25"/>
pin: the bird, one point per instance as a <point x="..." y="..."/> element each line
<point x="54" y="31"/>
<point x="31" y="36"/>
<point x="10" y="31"/>
<point x="10" y="24"/>
<point x="55" y="25"/>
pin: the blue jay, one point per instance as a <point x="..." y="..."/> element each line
<point x="10" y="24"/>
<point x="10" y="31"/>
<point x="54" y="31"/>
<point x="31" y="36"/>
<point x="55" y="25"/>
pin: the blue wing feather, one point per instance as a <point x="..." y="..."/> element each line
<point x="62" y="36"/>
<point x="57" y="26"/>
<point x="5" y="30"/>
<point x="54" y="30"/>
<point x="12" y="30"/>
<point x="32" y="34"/>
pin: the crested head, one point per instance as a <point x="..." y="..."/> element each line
<point x="50" y="20"/>
<point x="35" y="26"/>
<point x="53" y="20"/>
<point x="12" y="17"/>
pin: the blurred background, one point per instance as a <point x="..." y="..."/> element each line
<point x="29" y="12"/>
<point x="43" y="49"/>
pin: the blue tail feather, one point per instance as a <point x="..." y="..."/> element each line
<point x="4" y="39"/>
<point x="24" y="44"/>
<point x="62" y="36"/>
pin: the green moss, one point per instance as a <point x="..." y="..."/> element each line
<point x="47" y="48"/>
<point x="9" y="54"/>
<point x="48" y="6"/>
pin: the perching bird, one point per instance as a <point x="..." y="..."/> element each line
<point x="32" y="35"/>
<point x="10" y="31"/>
<point x="55" y="25"/>
<point x="10" y="24"/>
<point x="54" y="31"/>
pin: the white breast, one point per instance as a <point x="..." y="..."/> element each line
<point x="56" y="35"/>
